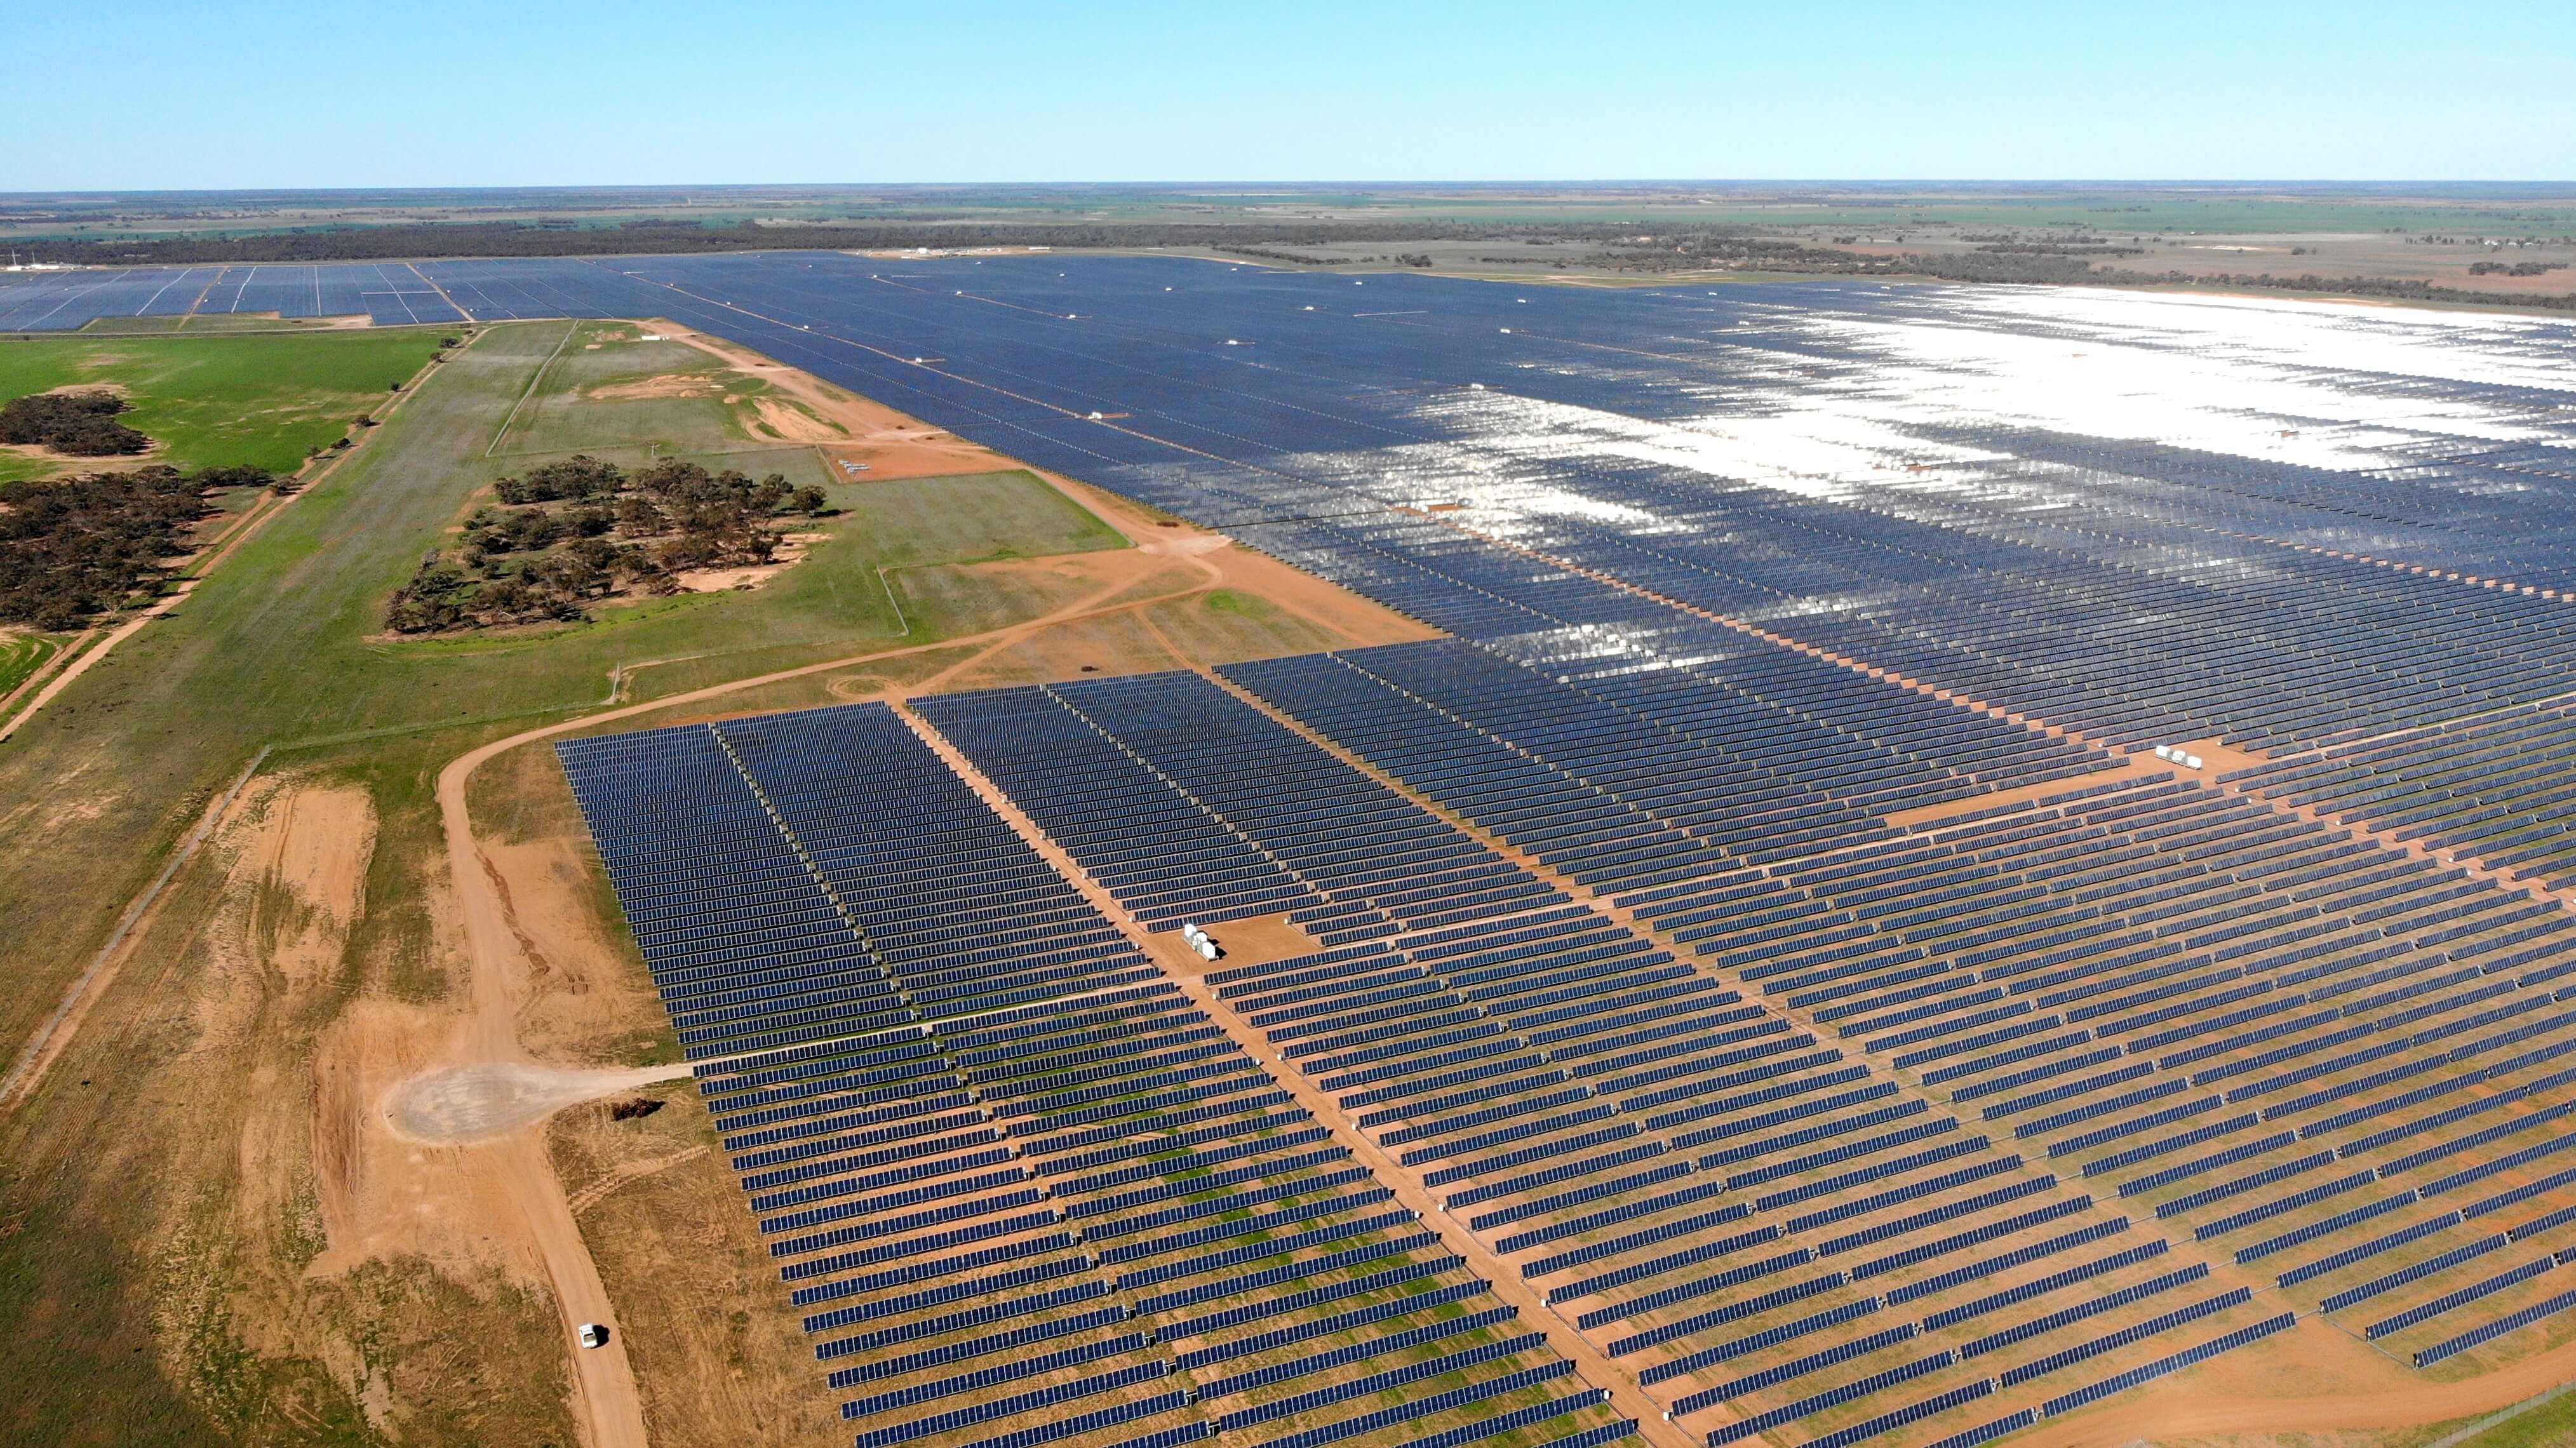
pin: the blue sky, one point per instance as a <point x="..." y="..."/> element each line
<point x="169" y="94"/>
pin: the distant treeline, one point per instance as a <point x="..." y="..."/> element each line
<point x="1691" y="253"/>
<point x="1670" y="248"/>
<point x="385" y="243"/>
<point x="2074" y="271"/>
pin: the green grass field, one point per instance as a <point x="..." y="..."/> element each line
<point x="2542" y="1424"/>
<point x="205" y="323"/>
<point x="221" y="401"/>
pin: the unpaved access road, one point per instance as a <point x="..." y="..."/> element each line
<point x="489" y="1098"/>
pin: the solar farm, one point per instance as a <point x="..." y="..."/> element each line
<point x="1970" y="865"/>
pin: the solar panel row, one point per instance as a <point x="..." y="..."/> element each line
<point x="905" y="874"/>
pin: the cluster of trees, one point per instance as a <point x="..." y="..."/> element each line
<point x="2514" y="268"/>
<point x="575" y="531"/>
<point x="82" y="424"/>
<point x="2071" y="246"/>
<point x="580" y="477"/>
<point x="1700" y="248"/>
<point x="74" y="547"/>
<point x="1272" y="253"/>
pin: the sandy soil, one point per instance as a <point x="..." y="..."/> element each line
<point x="880" y="441"/>
<point x="2311" y="1379"/>
<point x="495" y="1098"/>
<point x="527" y="1201"/>
<point x="887" y="443"/>
<point x="794" y="423"/>
<point x="670" y="384"/>
<point x="791" y="551"/>
<point x="2140" y="766"/>
<point x="277" y="1231"/>
<point x="1253" y="940"/>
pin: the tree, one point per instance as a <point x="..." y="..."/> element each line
<point x="638" y="515"/>
<point x="79" y="423"/>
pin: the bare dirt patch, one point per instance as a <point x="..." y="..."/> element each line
<point x="1114" y="643"/>
<point x="645" y="389"/>
<point x="2141" y="765"/>
<point x="907" y="454"/>
<point x="877" y="440"/>
<point x="794" y="423"/>
<point x="791" y="550"/>
<point x="1253" y="940"/>
<point x="494" y="1098"/>
<point x="218" y="1107"/>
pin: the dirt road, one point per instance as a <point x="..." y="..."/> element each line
<point x="490" y="1099"/>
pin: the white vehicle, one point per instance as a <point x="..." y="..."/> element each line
<point x="594" y="1334"/>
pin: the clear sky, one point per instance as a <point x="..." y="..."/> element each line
<point x="287" y="93"/>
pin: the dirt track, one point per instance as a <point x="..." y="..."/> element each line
<point x="486" y="1092"/>
<point x="1187" y="972"/>
<point x="2165" y="1414"/>
<point x="608" y="1385"/>
<point x="2236" y="1396"/>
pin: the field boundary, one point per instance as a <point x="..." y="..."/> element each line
<point x="2496" y="1420"/>
<point x="571" y="325"/>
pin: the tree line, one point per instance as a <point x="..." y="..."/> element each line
<point x="73" y="548"/>
<point x="505" y="239"/>
<point x="573" y="532"/>
<point x="2031" y="267"/>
